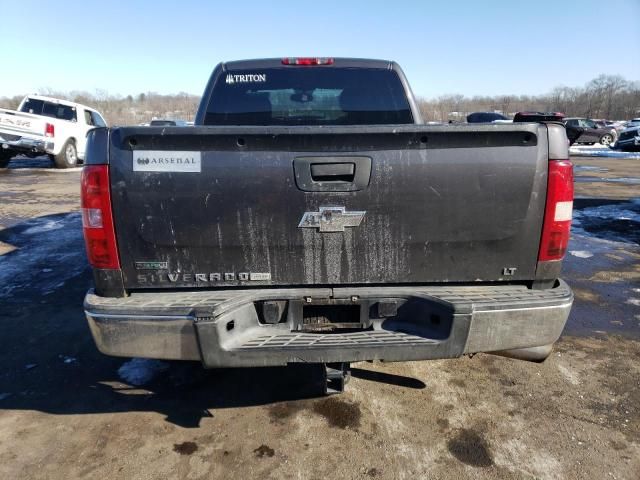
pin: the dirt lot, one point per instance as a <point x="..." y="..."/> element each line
<point x="66" y="411"/>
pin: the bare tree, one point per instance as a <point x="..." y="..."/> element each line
<point x="607" y="96"/>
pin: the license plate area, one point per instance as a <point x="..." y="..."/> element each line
<point x="331" y="318"/>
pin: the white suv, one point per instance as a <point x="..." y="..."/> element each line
<point x="44" y="125"/>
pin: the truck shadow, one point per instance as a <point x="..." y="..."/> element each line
<point x="49" y="363"/>
<point x="183" y="392"/>
<point x="22" y="161"/>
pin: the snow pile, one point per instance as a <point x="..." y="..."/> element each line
<point x="139" y="371"/>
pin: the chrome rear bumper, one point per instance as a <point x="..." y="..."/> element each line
<point x="224" y="328"/>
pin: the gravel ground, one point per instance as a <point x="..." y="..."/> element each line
<point x="66" y="411"/>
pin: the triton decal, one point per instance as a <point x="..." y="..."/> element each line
<point x="331" y="219"/>
<point x="246" y="78"/>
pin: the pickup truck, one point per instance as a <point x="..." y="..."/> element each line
<point x="47" y="126"/>
<point x="310" y="216"/>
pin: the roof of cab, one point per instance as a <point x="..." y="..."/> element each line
<point x="60" y="101"/>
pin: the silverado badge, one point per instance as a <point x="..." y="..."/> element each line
<point x="331" y="219"/>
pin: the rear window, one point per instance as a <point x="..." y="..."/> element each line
<point x="31" y="105"/>
<point x="484" y="117"/>
<point x="162" y="123"/>
<point x="49" y="109"/>
<point x="308" y="96"/>
<point x="98" y="121"/>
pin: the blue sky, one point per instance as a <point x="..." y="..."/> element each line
<point x="469" y="47"/>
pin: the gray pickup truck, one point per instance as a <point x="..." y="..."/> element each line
<point x="310" y="216"/>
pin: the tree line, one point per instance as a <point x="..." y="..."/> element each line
<point x="607" y="96"/>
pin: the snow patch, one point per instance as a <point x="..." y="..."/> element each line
<point x="598" y="150"/>
<point x="139" y="371"/>
<point x="620" y="211"/>
<point x="596" y="219"/>
<point x="634" y="301"/>
<point x="581" y="253"/>
<point x="52" y="246"/>
<point x="589" y="168"/>
<point x="570" y="375"/>
<point x="44" y="227"/>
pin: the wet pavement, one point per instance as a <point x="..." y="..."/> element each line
<point x="66" y="411"/>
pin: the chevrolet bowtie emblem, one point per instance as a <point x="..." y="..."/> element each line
<point x="331" y="219"/>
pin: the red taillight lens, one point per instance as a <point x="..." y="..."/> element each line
<point x="307" y="61"/>
<point x="49" y="130"/>
<point x="557" y="213"/>
<point x="97" y="220"/>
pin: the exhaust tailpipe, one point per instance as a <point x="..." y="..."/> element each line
<point x="531" y="354"/>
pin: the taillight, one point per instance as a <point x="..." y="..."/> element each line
<point x="307" y="61"/>
<point x="557" y="214"/>
<point x="49" y="130"/>
<point x="97" y="220"/>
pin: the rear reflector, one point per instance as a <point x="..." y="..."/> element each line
<point x="557" y="214"/>
<point x="307" y="61"/>
<point x="97" y="220"/>
<point x="49" y="130"/>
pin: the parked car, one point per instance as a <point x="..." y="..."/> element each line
<point x="316" y="219"/>
<point x="45" y="125"/>
<point x="601" y="123"/>
<point x="592" y="133"/>
<point x="486" y="117"/>
<point x="619" y="125"/>
<point x="629" y="138"/>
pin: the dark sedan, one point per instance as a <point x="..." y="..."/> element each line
<point x="592" y="133"/>
<point x="629" y="139"/>
<point x="486" y="117"/>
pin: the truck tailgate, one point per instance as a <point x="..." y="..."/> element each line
<point x="14" y="123"/>
<point x="328" y="205"/>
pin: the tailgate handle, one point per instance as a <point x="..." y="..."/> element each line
<point x="333" y="172"/>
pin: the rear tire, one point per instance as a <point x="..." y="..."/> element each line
<point x="68" y="156"/>
<point x="606" y="139"/>
<point x="5" y="158"/>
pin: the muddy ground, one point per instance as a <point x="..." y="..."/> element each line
<point x="66" y="411"/>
